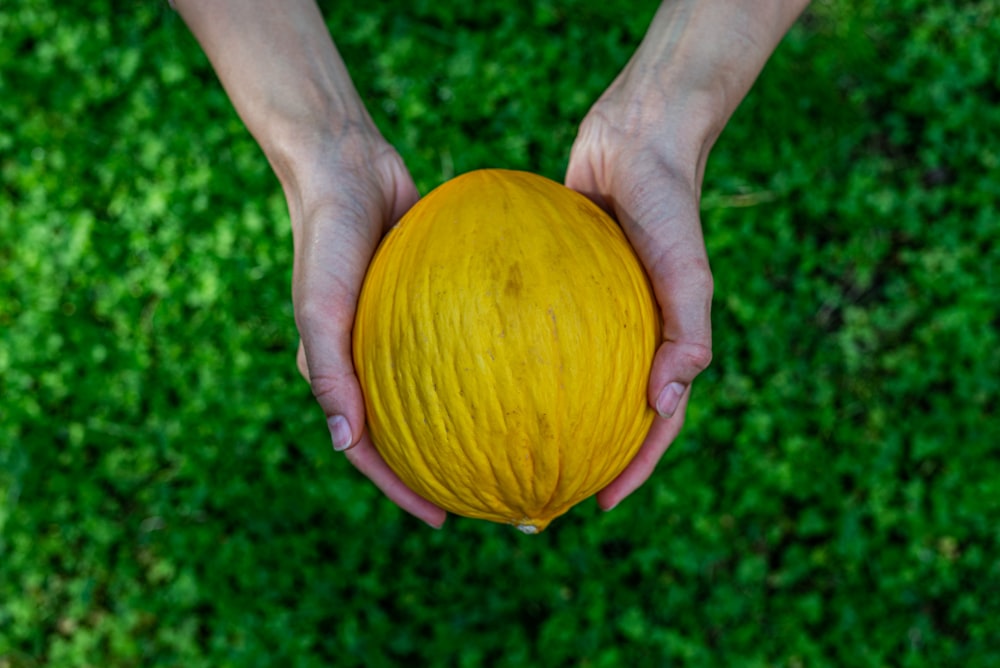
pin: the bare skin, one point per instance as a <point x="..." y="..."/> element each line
<point x="640" y="153"/>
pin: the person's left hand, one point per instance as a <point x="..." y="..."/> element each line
<point x="653" y="191"/>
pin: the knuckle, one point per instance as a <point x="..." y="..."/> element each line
<point x="698" y="272"/>
<point x="697" y="355"/>
<point x="311" y="309"/>
<point x="324" y="387"/>
<point x="319" y="302"/>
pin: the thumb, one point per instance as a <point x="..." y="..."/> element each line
<point x="684" y="291"/>
<point x="332" y="254"/>
<point x="672" y="249"/>
<point x="326" y="362"/>
<point x="682" y="281"/>
<point x="674" y="368"/>
<point x="333" y="249"/>
<point x="339" y="395"/>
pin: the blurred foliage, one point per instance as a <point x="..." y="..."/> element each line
<point x="168" y="495"/>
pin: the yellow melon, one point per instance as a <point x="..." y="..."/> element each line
<point x="503" y="341"/>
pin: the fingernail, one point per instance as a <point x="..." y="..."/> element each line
<point x="340" y="431"/>
<point x="670" y="397"/>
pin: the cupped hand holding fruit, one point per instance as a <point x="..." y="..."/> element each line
<point x="655" y="198"/>
<point x="641" y="154"/>
<point x="339" y="212"/>
<point x="343" y="183"/>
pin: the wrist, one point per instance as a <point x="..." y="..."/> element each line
<point x="286" y="79"/>
<point x="677" y="122"/>
<point x="694" y="66"/>
<point x="303" y="154"/>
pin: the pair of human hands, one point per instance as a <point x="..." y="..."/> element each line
<point x="640" y="154"/>
<point x="364" y="188"/>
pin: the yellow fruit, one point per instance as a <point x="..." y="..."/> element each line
<point x="503" y="341"/>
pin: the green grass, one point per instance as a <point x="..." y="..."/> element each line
<point x="168" y="494"/>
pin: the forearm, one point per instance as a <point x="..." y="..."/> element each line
<point x="697" y="62"/>
<point x="282" y="72"/>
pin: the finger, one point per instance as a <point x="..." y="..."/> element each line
<point x="303" y="365"/>
<point x="665" y="230"/>
<point x="324" y="314"/>
<point x="661" y="435"/>
<point x="684" y="291"/>
<point x="325" y="360"/>
<point x="367" y="459"/>
<point x="332" y="250"/>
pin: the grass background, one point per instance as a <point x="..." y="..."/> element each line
<point x="168" y="494"/>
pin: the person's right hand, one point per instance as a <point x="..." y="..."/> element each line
<point x="351" y="194"/>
